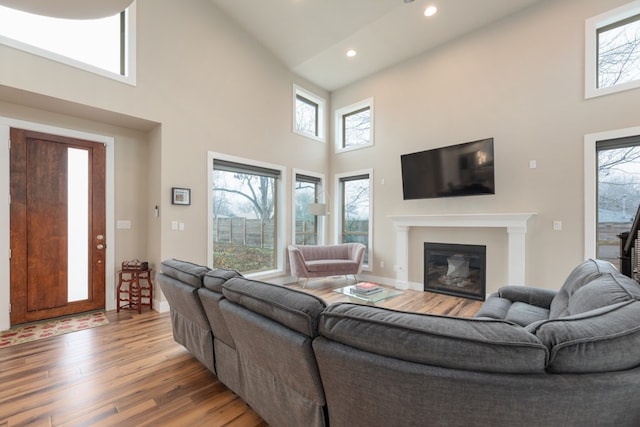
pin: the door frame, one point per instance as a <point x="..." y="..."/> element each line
<point x="5" y="124"/>
<point x="590" y="180"/>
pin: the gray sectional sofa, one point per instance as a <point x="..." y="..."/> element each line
<point x="530" y="357"/>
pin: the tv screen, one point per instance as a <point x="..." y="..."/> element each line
<point x="457" y="170"/>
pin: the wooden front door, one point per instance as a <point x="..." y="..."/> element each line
<point x="57" y="217"/>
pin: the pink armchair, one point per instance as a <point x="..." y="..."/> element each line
<point x="326" y="260"/>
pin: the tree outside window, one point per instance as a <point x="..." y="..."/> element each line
<point x="356" y="210"/>
<point x="619" y="52"/>
<point x="618" y="193"/>
<point x="244" y="217"/>
<point x="354" y="126"/>
<point x="307" y="190"/>
<point x="308" y="114"/>
<point x="357" y="128"/>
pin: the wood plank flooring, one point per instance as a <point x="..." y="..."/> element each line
<point x="131" y="372"/>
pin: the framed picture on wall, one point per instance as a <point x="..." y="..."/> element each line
<point x="180" y="196"/>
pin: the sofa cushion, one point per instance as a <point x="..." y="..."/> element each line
<point x="184" y="271"/>
<point x="581" y="275"/>
<point x="333" y="266"/>
<point x="472" y="344"/>
<point x="496" y="307"/>
<point x="600" y="340"/>
<point x="296" y="310"/>
<point x="324" y="252"/>
<point x="605" y="290"/>
<point x="214" y="279"/>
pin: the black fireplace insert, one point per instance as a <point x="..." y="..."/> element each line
<point x="455" y="269"/>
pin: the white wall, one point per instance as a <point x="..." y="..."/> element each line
<point x="521" y="82"/>
<point x="202" y="85"/>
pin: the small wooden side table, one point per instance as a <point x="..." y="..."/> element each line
<point x="134" y="290"/>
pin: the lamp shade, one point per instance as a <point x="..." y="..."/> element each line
<point x="318" y="209"/>
<point x="69" y="9"/>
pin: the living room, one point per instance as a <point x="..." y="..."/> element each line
<point x="509" y="81"/>
<point x="204" y="88"/>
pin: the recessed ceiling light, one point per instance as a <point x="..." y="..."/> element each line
<point x="351" y="53"/>
<point x="430" y="11"/>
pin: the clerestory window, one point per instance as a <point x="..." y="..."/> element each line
<point x="613" y="51"/>
<point x="354" y="126"/>
<point x="308" y="114"/>
<point x="104" y="46"/>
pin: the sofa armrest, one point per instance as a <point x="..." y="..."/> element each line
<point x="357" y="254"/>
<point x="534" y="296"/>
<point x="297" y="262"/>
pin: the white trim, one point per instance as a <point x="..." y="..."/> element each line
<point x="324" y="195"/>
<point x="591" y="26"/>
<point x="7" y="123"/>
<point x="590" y="180"/>
<point x="337" y="222"/>
<point x="322" y="113"/>
<point x="130" y="53"/>
<point x="338" y="125"/>
<point x="280" y="203"/>
<point x="514" y="223"/>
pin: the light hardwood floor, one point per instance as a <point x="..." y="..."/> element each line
<point x="131" y="372"/>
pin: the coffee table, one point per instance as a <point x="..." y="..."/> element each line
<point x="373" y="298"/>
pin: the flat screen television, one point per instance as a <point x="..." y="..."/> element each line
<point x="457" y="170"/>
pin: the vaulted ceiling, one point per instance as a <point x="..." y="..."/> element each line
<point x="311" y="37"/>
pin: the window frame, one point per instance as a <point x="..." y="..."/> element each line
<point x="339" y="217"/>
<point x="321" y="113"/>
<point x="321" y="198"/>
<point x="280" y="213"/>
<point x="592" y="27"/>
<point x="352" y="109"/>
<point x="127" y="53"/>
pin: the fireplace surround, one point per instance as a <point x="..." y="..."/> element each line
<point x="455" y="269"/>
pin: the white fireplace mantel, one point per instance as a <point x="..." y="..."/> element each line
<point x="514" y="223"/>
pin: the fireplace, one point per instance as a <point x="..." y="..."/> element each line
<point x="454" y="269"/>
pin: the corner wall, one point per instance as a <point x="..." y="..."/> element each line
<point x="520" y="81"/>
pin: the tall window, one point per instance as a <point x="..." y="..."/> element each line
<point x="613" y="51"/>
<point x="355" y="221"/>
<point x="245" y="211"/>
<point x="307" y="190"/>
<point x="308" y="114"/>
<point x="102" y="46"/>
<point x="618" y="190"/>
<point x="354" y="126"/>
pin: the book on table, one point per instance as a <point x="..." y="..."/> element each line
<point x="366" y="288"/>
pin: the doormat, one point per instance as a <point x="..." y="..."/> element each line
<point x="51" y="328"/>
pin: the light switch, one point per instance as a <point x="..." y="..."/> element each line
<point x="174" y="225"/>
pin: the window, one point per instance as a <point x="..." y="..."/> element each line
<point x="307" y="190"/>
<point x="244" y="231"/>
<point x="103" y="46"/>
<point x="354" y="126"/>
<point x="613" y="51"/>
<point x="308" y="114"/>
<point x="356" y="207"/>
<point x="618" y="193"/>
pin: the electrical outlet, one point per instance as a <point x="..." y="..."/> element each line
<point x="557" y="225"/>
<point x="381" y="264"/>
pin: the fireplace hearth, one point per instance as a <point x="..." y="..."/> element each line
<point x="455" y="269"/>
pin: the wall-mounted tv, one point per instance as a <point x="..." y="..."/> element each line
<point x="457" y="170"/>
